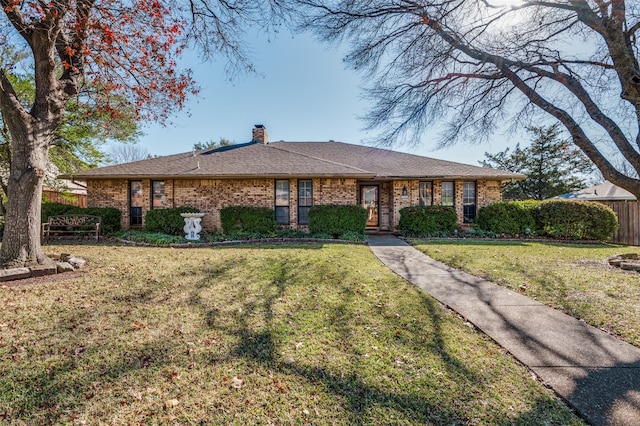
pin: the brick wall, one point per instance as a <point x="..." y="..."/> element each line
<point x="487" y="192"/>
<point x="386" y="198"/>
<point x="110" y="193"/>
<point x="210" y="195"/>
<point x="335" y="191"/>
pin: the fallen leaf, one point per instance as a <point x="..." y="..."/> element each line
<point x="236" y="382"/>
<point x="137" y="325"/>
<point x="171" y="403"/>
<point x="298" y="345"/>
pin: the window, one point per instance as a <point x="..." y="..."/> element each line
<point x="305" y="200"/>
<point x="426" y="193"/>
<point x="158" y="199"/>
<point x="448" y="193"/>
<point x="282" y="202"/>
<point x="135" y="203"/>
<point x="469" y="201"/>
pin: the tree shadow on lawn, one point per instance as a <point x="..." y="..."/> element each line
<point x="50" y="394"/>
<point x="264" y="345"/>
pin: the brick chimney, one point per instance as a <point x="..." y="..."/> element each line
<point x="259" y="134"/>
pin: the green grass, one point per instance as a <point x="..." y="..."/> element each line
<point x="573" y="278"/>
<point x="306" y="334"/>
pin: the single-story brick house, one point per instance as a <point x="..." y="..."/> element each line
<point x="290" y="177"/>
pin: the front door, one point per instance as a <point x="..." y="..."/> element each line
<point x="369" y="200"/>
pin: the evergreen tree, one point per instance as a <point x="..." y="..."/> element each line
<point x="553" y="166"/>
<point x="211" y="144"/>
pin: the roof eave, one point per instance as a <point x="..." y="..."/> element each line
<point x="238" y="176"/>
<point x="455" y="177"/>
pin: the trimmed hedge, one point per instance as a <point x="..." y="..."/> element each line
<point x="584" y="220"/>
<point x="261" y="220"/>
<point x="337" y="219"/>
<point x="110" y="216"/>
<point x="56" y="209"/>
<point x="578" y="220"/>
<point x="167" y="221"/>
<point x="507" y="217"/>
<point x="423" y="221"/>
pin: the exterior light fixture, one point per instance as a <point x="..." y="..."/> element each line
<point x="405" y="193"/>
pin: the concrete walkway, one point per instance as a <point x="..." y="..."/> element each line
<point x="599" y="375"/>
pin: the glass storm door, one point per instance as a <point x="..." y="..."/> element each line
<point x="369" y="200"/>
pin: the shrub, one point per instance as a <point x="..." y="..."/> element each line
<point x="154" y="238"/>
<point x="422" y="221"/>
<point x="354" y="236"/>
<point x="507" y="217"/>
<point x="336" y="219"/>
<point x="56" y="209"/>
<point x="244" y="219"/>
<point x="167" y="221"/>
<point x="577" y="220"/>
<point x="415" y="222"/>
<point x="445" y="217"/>
<point x="109" y="218"/>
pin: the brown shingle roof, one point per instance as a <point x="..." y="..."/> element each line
<point x="295" y="159"/>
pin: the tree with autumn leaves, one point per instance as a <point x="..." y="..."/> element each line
<point x="92" y="52"/>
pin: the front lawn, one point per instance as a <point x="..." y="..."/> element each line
<point x="255" y="335"/>
<point x="573" y="278"/>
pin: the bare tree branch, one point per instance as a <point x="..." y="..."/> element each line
<point x="472" y="65"/>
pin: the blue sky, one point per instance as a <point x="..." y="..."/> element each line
<point x="303" y="92"/>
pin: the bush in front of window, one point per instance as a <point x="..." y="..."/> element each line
<point x="167" y="221"/>
<point x="245" y="219"/>
<point x="586" y="220"/>
<point x="337" y="219"/>
<point x="508" y="217"/>
<point x="109" y="216"/>
<point x="424" y="221"/>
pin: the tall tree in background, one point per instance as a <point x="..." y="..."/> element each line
<point x="477" y="64"/>
<point x="126" y="153"/>
<point x="553" y="166"/>
<point x="212" y="144"/>
<point x="95" y="51"/>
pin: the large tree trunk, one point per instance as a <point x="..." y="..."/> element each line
<point x="31" y="135"/>
<point x="21" y="239"/>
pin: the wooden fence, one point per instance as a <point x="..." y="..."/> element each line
<point x="629" y="219"/>
<point x="79" y="200"/>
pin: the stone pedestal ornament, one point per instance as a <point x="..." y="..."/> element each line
<point x="192" y="225"/>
